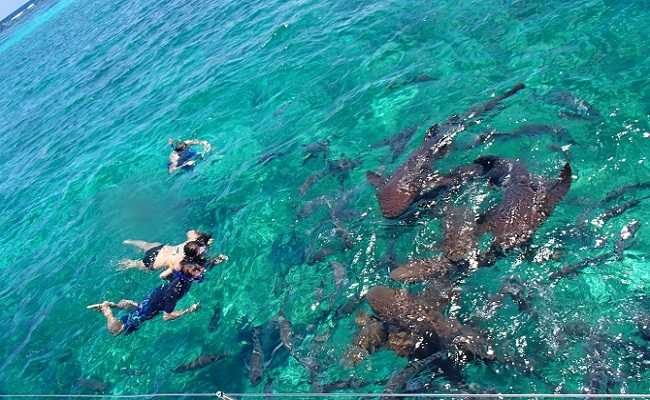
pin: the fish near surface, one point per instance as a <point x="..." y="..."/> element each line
<point x="397" y="382"/>
<point x="199" y="362"/>
<point x="616" y="193"/>
<point x="340" y="274"/>
<point x="370" y="337"/>
<point x="617" y="210"/>
<point x="214" y="320"/>
<point x="627" y="234"/>
<point x="286" y="332"/>
<point x="558" y="133"/>
<point x="459" y="240"/>
<point x="93" y="384"/>
<point x="416" y="175"/>
<point x="575" y="107"/>
<point x="398" y="142"/>
<point x="314" y="149"/>
<point x="416" y="315"/>
<point x="256" y="362"/>
<point x="422" y="270"/>
<point x="527" y="201"/>
<point x="340" y="168"/>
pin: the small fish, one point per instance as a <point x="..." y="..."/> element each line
<point x="419" y="78"/>
<point x="343" y="233"/>
<point x="272" y="155"/>
<point x="529" y="130"/>
<point x="514" y="288"/>
<point x="397" y="381"/>
<point x="340" y="274"/>
<point x="616" y="211"/>
<point x="313" y="149"/>
<point x="311" y="206"/>
<point x="256" y="362"/>
<point x="398" y="142"/>
<point x="199" y="362"/>
<point x="575" y="107"/>
<point x="627" y="234"/>
<point x="340" y="168"/>
<point x="352" y="383"/>
<point x="574" y="269"/>
<point x="93" y="384"/>
<point x="320" y="255"/>
<point x="310" y="363"/>
<point x="286" y="332"/>
<point x="214" y="320"/>
<point x="616" y="193"/>
<point x="348" y="307"/>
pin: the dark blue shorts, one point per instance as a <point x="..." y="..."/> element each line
<point x="135" y="318"/>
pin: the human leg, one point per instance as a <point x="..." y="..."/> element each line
<point x="141" y="244"/>
<point x="114" y="325"/>
<point x="128" y="264"/>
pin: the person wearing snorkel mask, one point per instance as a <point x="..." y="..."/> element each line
<point x="168" y="257"/>
<point x="183" y="156"/>
<point x="161" y="299"/>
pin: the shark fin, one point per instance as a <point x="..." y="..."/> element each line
<point x="375" y="179"/>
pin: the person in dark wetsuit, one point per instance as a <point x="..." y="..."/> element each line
<point x="161" y="299"/>
<point x="183" y="156"/>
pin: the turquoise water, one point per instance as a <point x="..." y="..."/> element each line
<point x="92" y="89"/>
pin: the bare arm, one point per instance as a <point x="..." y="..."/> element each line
<point x="166" y="273"/>
<point x="177" y="314"/>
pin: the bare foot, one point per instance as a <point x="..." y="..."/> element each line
<point x="100" y="306"/>
<point x="128" y="264"/>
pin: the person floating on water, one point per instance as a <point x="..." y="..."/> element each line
<point x="183" y="156"/>
<point x="169" y="257"/>
<point x="161" y="299"/>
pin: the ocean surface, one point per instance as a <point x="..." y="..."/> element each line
<point x="91" y="90"/>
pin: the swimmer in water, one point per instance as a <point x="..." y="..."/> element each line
<point x="161" y="299"/>
<point x="183" y="156"/>
<point x="169" y="257"/>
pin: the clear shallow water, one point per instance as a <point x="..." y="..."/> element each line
<point x="93" y="89"/>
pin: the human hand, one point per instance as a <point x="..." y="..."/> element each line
<point x="193" y="307"/>
<point x="222" y="258"/>
<point x="207" y="147"/>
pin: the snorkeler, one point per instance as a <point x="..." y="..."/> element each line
<point x="163" y="298"/>
<point x="183" y="156"/>
<point x="169" y="257"/>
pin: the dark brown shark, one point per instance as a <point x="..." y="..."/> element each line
<point x="415" y="314"/>
<point x="527" y="201"/>
<point x="416" y="175"/>
<point x="370" y="337"/>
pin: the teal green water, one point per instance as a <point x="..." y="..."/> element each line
<point x="92" y="89"/>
